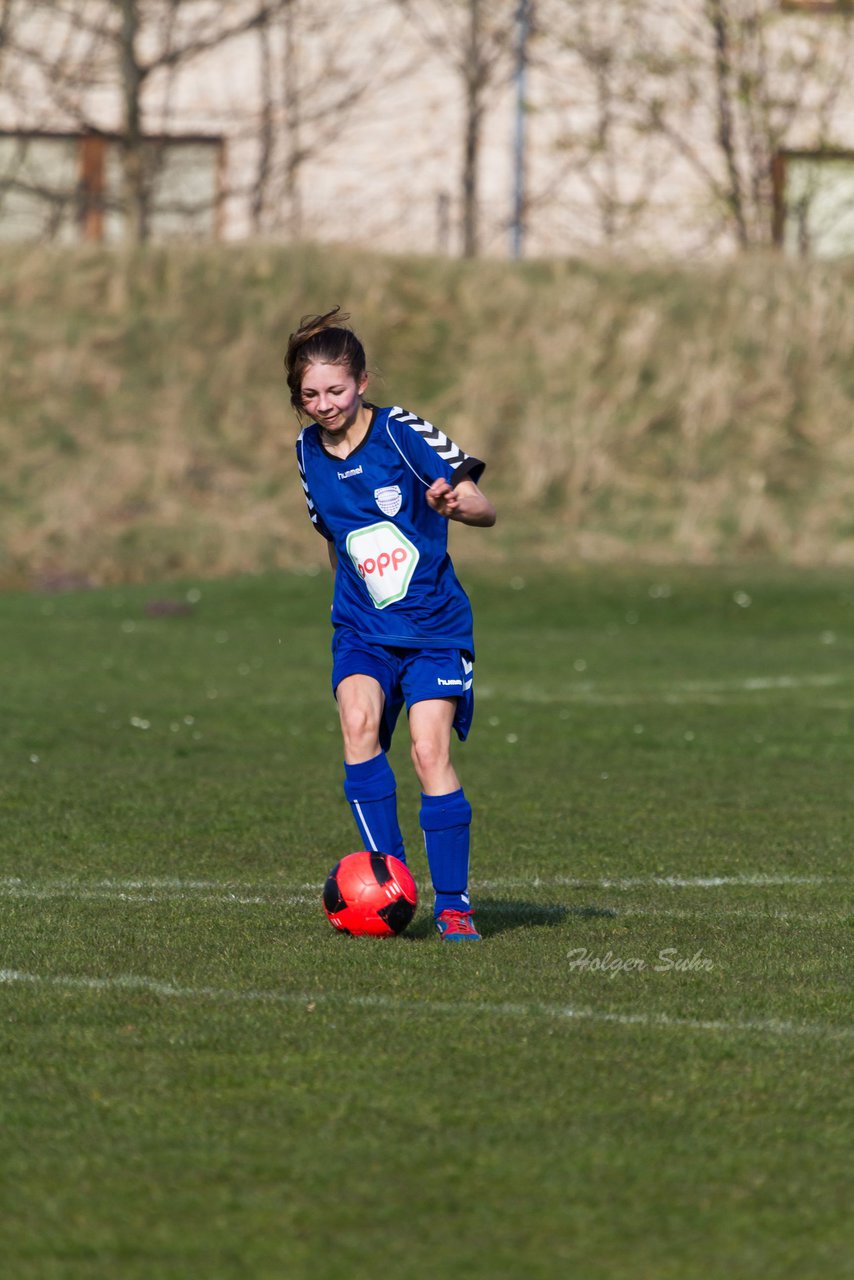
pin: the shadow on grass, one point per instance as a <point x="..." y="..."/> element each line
<point x="497" y="915"/>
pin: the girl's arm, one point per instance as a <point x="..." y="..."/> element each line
<point x="464" y="502"/>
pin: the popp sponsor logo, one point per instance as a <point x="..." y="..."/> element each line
<point x="385" y="560"/>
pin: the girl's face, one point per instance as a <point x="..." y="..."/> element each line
<point x="332" y="396"/>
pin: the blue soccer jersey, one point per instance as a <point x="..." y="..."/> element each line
<point x="395" y="584"/>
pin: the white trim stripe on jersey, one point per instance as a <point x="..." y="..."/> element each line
<point x="312" y="510"/>
<point x="419" y="478"/>
<point x="436" y="439"/>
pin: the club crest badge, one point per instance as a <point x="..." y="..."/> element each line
<point x="389" y="499"/>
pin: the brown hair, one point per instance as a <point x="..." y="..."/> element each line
<point x="322" y="340"/>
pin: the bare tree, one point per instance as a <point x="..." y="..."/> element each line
<point x="132" y="77"/>
<point x="593" y="66"/>
<point x="116" y="71"/>
<point x="179" y="31"/>
<point x="6" y="14"/>
<point x="88" y="52"/>
<point x="314" y="89"/>
<point x="622" y="98"/>
<point x="265" y="124"/>
<point x="476" y="39"/>
<point x="758" y="80"/>
<point x="293" y="123"/>
<point x="715" y="87"/>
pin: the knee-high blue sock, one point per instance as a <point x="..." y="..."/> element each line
<point x="446" y="821"/>
<point x="372" y="792"/>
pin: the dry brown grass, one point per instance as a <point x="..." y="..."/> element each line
<point x="656" y="414"/>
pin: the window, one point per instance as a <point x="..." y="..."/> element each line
<point x="39" y="179"/>
<point x="184" y="178"/>
<point x="68" y="187"/>
<point x="814" y="201"/>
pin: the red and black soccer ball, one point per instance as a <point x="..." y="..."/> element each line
<point x="370" y="894"/>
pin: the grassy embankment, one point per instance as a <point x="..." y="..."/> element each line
<point x="650" y="414"/>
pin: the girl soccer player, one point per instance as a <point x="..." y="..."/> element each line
<point x="380" y="485"/>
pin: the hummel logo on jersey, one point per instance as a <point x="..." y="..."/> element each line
<point x="389" y="499"/>
<point x="345" y="475"/>
<point x="439" y="680"/>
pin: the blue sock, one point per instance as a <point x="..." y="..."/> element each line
<point x="446" y="821"/>
<point x="372" y="792"/>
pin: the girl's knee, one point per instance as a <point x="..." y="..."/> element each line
<point x="360" y="725"/>
<point x="429" y="756"/>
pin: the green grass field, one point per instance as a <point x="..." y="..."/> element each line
<point x="200" y="1079"/>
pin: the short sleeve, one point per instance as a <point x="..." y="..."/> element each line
<point x="313" y="513"/>
<point x="430" y="451"/>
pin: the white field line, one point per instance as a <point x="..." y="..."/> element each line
<point x="680" y="691"/>
<point x="749" y="881"/>
<point x="792" y="917"/>
<point x="290" y="900"/>
<point x="176" y="884"/>
<point x="166" y="889"/>
<point x="312" y="901"/>
<point x="432" y="1008"/>
<point x="154" y="884"/>
<point x="153" y="892"/>
<point x="704" y="911"/>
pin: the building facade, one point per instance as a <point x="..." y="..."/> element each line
<point x="498" y="127"/>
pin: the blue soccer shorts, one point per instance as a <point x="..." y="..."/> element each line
<point x="407" y="676"/>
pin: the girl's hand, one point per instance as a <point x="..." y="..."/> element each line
<point x="464" y="502"/>
<point x="443" y="497"/>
